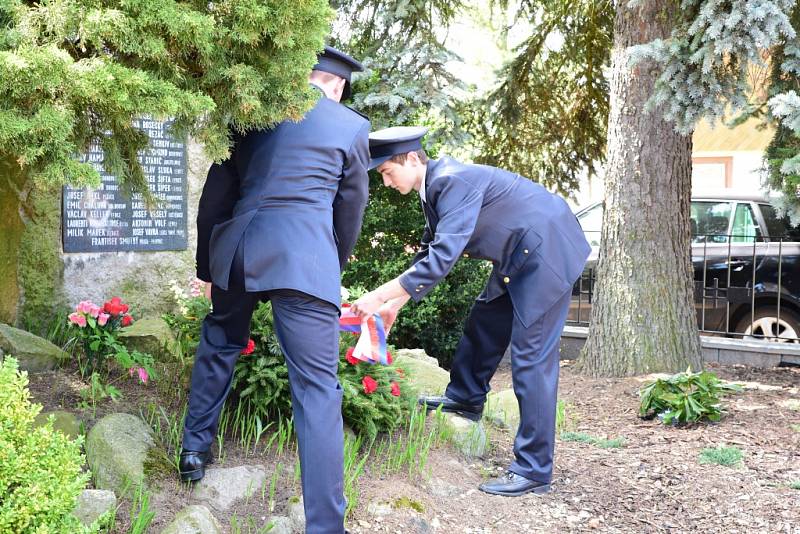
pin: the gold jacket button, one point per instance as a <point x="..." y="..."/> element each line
<point x="417" y="290"/>
<point x="465" y="255"/>
<point x="506" y="279"/>
<point x="421" y="286"/>
<point x="525" y="251"/>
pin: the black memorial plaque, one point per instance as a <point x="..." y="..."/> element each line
<point x="105" y="220"/>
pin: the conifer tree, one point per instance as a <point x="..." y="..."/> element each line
<point x="73" y="72"/>
<point x="76" y="71"/>
<point x="670" y="65"/>
<point x="406" y="82"/>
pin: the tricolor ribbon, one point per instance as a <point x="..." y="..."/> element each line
<point x="371" y="347"/>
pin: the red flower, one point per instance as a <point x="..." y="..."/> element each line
<point x="251" y="346"/>
<point x="115" y="307"/>
<point x="389" y="357"/>
<point x="395" y="389"/>
<point x="126" y="319"/>
<point x="350" y="358"/>
<point x="369" y="384"/>
<point x="400" y="372"/>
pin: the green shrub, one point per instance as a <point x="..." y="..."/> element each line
<point x="40" y="468"/>
<point x="380" y="410"/>
<point x="260" y="387"/>
<point x="261" y="383"/>
<point x="684" y="397"/>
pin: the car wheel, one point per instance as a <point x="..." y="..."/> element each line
<point x="766" y="325"/>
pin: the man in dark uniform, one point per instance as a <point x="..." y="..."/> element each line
<point x="277" y="221"/>
<point x="538" y="251"/>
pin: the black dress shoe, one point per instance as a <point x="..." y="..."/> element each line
<point x="193" y="465"/>
<point x="470" y="411"/>
<point x="513" y="485"/>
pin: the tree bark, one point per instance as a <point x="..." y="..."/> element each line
<point x="11" y="229"/>
<point x="643" y="317"/>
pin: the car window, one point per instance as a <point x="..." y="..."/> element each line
<point x="745" y="229"/>
<point x="778" y="226"/>
<point x="591" y="221"/>
<point x="710" y="221"/>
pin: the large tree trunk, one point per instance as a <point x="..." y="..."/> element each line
<point x="11" y="229"/>
<point x="643" y="317"/>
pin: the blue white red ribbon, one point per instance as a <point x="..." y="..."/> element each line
<point x="371" y="345"/>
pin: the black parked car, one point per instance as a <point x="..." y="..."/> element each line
<point x="731" y="234"/>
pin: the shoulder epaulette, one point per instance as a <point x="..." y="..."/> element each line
<point x="356" y="112"/>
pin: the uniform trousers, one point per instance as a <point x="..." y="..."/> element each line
<point x="308" y="331"/>
<point x="491" y="327"/>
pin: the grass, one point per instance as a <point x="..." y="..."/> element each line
<point x="721" y="455"/>
<point x="141" y="515"/>
<point x="273" y="485"/>
<point x="168" y="429"/>
<point x="353" y="468"/>
<point x="247" y="427"/>
<point x="283" y="438"/>
<point x="615" y="443"/>
<point x="248" y="525"/>
<point x="53" y="327"/>
<point x="406" y="450"/>
<point x="409" y="450"/>
<point x="795" y="484"/>
<point x="566" y="419"/>
<point x="582" y="437"/>
<point x="796" y="428"/>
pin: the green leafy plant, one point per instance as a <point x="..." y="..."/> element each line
<point x="192" y="307"/>
<point x="41" y="471"/>
<point x="96" y="391"/>
<point x="685" y="397"/>
<point x="721" y="455"/>
<point x="794" y="484"/>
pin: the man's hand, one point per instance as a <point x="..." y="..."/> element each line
<point x="207" y="291"/>
<point x="367" y="305"/>
<point x="390" y="310"/>
<point x="388" y="315"/>
<point x="371" y="302"/>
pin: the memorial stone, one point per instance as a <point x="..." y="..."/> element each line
<point x="106" y="220"/>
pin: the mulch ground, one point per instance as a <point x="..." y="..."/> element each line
<point x="654" y="483"/>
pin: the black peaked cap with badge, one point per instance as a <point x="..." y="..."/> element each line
<point x="337" y="62"/>
<point x="389" y="142"/>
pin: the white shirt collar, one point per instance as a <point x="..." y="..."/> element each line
<point x="422" y="188"/>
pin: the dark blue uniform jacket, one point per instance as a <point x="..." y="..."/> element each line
<point x="530" y="235"/>
<point x="293" y="196"/>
